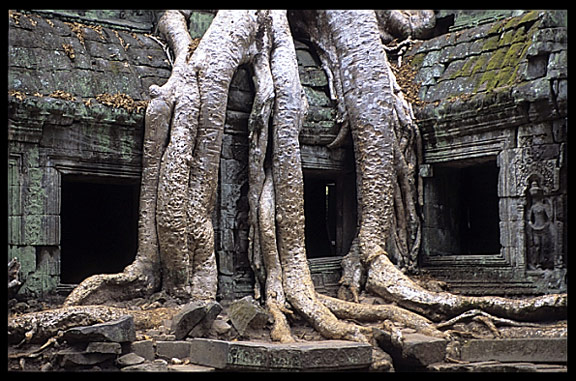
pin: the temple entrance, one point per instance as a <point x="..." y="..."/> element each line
<point x="320" y="213"/>
<point x="461" y="209"/>
<point x="330" y="213"/>
<point x="99" y="226"/>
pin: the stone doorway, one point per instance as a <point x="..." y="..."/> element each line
<point x="461" y="209"/>
<point x="99" y="226"/>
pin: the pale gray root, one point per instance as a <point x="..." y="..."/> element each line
<point x="275" y="297"/>
<point x="289" y="112"/>
<point x="377" y="313"/>
<point x="403" y="24"/>
<point x="258" y="142"/>
<point x="386" y="280"/>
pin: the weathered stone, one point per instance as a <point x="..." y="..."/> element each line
<point x="415" y="350"/>
<point x="189" y="368"/>
<point x="146" y="367"/>
<point x="143" y="348"/>
<point x="220" y="327"/>
<point x="197" y="316"/>
<point x="422" y="350"/>
<point x="129" y="359"/>
<point x="71" y="358"/>
<point x="318" y="355"/>
<point x="246" y="313"/>
<point x="495" y="366"/>
<point x="173" y="349"/>
<point x="121" y="330"/>
<point x="104" y="347"/>
<point x="541" y="350"/>
<point x="187" y="318"/>
<point x="212" y="309"/>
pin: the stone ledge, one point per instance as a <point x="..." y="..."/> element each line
<point x="314" y="355"/>
<point x="534" y="350"/>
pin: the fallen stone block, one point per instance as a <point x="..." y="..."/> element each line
<point x="246" y="355"/>
<point x="194" y="319"/>
<point x="212" y="309"/>
<point x="120" y="331"/>
<point x="187" y="318"/>
<point x="535" y="349"/>
<point x="147" y="367"/>
<point x="104" y="347"/>
<point x="71" y="358"/>
<point x="415" y="350"/>
<point x="245" y="313"/>
<point x="422" y="350"/>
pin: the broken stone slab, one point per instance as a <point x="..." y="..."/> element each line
<point x="422" y="350"/>
<point x="119" y="331"/>
<point x="201" y="329"/>
<point x="312" y="355"/>
<point x="155" y="366"/>
<point x="245" y="313"/>
<point x="104" y="347"/>
<point x="496" y="366"/>
<point x="534" y="349"/>
<point x="70" y="358"/>
<point x="199" y="315"/>
<point x="416" y="350"/>
<point x="189" y="368"/>
<point x="129" y="359"/>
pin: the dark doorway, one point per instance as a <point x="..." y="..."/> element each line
<point x="330" y="213"/>
<point x="99" y="222"/>
<point x="320" y="215"/>
<point x="461" y="209"/>
<point x="479" y="217"/>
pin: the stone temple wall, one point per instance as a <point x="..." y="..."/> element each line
<point x="496" y="95"/>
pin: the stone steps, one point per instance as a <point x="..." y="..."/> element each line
<point x="533" y="354"/>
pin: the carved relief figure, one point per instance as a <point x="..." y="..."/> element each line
<point x="540" y="246"/>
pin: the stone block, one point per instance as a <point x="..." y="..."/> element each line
<point x="415" y="350"/>
<point x="245" y="313"/>
<point x="104" y="347"/>
<point x="186" y="319"/>
<point x="143" y="348"/>
<point x="173" y="349"/>
<point x="312" y="355"/>
<point x="121" y="330"/>
<point x="71" y="358"/>
<point x="537" y="350"/>
<point x="422" y="350"/>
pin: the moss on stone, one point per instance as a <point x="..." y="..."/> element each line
<point x="416" y="61"/>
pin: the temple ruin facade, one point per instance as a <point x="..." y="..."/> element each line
<point x="488" y="89"/>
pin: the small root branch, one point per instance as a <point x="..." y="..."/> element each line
<point x="486" y="318"/>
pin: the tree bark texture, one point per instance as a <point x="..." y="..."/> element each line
<point x="182" y="145"/>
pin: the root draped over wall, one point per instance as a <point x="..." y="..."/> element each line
<point x="181" y="155"/>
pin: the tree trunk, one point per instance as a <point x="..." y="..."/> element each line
<point x="183" y="137"/>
